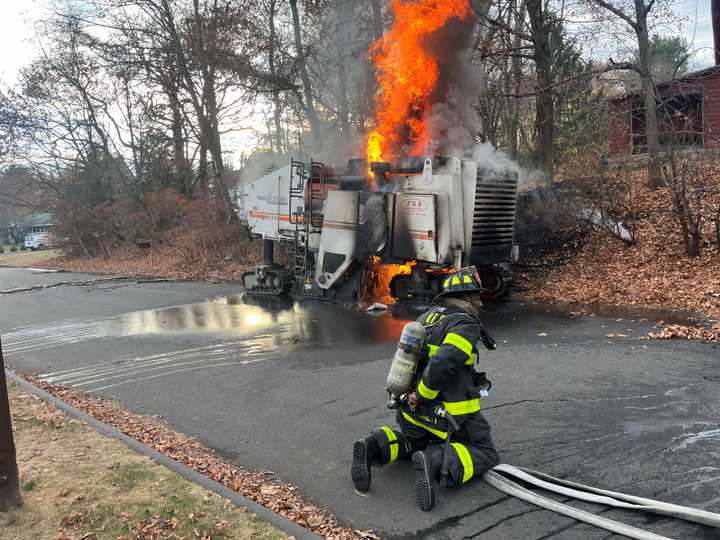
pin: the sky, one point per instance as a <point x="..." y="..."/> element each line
<point x="18" y="45"/>
<point x="17" y="35"/>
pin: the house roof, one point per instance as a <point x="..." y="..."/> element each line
<point x="36" y="220"/>
<point x="685" y="78"/>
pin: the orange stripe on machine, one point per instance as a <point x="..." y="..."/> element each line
<point x="421" y="235"/>
<point x="256" y="214"/>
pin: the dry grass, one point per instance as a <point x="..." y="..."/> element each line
<point x="278" y="496"/>
<point x="27" y="258"/>
<point x="78" y="484"/>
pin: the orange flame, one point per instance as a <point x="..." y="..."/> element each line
<point x="407" y="73"/>
<point x="379" y="277"/>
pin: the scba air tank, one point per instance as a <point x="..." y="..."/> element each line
<point x="404" y="363"/>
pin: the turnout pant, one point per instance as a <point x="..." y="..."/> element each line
<point x="472" y="451"/>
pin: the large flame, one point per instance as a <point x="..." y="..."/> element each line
<point x="380" y="275"/>
<point x="407" y="74"/>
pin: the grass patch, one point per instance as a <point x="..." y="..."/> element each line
<point x="93" y="485"/>
<point x="129" y="475"/>
<point x="27" y="258"/>
<point x="29" y="485"/>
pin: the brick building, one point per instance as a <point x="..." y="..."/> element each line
<point x="688" y="112"/>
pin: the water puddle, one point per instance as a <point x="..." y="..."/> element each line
<point x="272" y="323"/>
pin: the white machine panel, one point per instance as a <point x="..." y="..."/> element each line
<point x="414" y="234"/>
<point x="264" y="203"/>
<point x="338" y="242"/>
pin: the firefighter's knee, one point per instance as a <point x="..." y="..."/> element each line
<point x="390" y="445"/>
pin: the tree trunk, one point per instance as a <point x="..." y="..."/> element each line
<point x="343" y="109"/>
<point x="308" y="102"/>
<point x="516" y="76"/>
<point x="648" y="87"/>
<point x="545" y="109"/>
<point x="181" y="164"/>
<point x="715" y="14"/>
<point x="378" y="28"/>
<point x="277" y="106"/>
<point x="343" y="106"/>
<point x="202" y="167"/>
<point x="690" y="227"/>
<point x="9" y="475"/>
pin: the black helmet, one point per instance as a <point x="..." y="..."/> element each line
<point x="466" y="280"/>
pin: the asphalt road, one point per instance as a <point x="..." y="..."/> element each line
<point x="288" y="387"/>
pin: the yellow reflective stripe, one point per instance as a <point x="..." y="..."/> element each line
<point x="457" y="408"/>
<point x="460" y="342"/>
<point x="470" y="361"/>
<point x="436" y="432"/>
<point x="455" y="280"/>
<point x="446" y="283"/>
<point x="392" y="443"/>
<point x="426" y="392"/>
<point x="465" y="459"/>
<point x="432" y="349"/>
<point x="467" y="279"/>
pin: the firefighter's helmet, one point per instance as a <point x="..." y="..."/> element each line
<point x="464" y="281"/>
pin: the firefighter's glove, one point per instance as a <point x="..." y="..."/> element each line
<point x="413" y="401"/>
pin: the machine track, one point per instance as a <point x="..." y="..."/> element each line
<point x="270" y="281"/>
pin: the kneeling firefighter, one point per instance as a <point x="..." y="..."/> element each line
<point x="440" y="425"/>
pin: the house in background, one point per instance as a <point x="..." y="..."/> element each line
<point x="688" y="114"/>
<point x="15" y="232"/>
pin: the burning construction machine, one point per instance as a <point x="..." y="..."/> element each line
<point x="401" y="228"/>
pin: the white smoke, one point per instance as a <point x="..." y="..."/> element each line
<point x="489" y="157"/>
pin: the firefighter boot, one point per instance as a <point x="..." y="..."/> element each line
<point x="366" y="453"/>
<point x="427" y="465"/>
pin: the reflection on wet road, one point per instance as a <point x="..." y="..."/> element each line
<point x="241" y="331"/>
<point x="222" y="332"/>
<point x="274" y="323"/>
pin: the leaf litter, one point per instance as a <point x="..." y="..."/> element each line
<point x="280" y="497"/>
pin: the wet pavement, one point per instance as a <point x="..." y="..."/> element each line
<point x="287" y="386"/>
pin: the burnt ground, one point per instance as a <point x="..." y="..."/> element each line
<point x="287" y="387"/>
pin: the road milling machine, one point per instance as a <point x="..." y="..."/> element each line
<point x="399" y="226"/>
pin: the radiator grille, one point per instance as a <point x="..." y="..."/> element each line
<point x="493" y="217"/>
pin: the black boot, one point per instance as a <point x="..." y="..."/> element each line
<point x="365" y="454"/>
<point x="427" y="466"/>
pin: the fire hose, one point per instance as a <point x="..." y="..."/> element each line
<point x="609" y="498"/>
<point x="498" y="478"/>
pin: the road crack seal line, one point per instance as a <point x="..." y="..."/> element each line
<point x="570" y="400"/>
<point x="571" y="525"/>
<point x="85" y="283"/>
<point x="503" y="520"/>
<point x="447" y="522"/>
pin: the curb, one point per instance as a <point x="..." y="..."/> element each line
<point x="278" y="521"/>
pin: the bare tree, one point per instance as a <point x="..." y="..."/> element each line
<point x="277" y="104"/>
<point x="306" y="99"/>
<point x="636" y="14"/>
<point x="686" y="172"/>
<point x="545" y="111"/>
